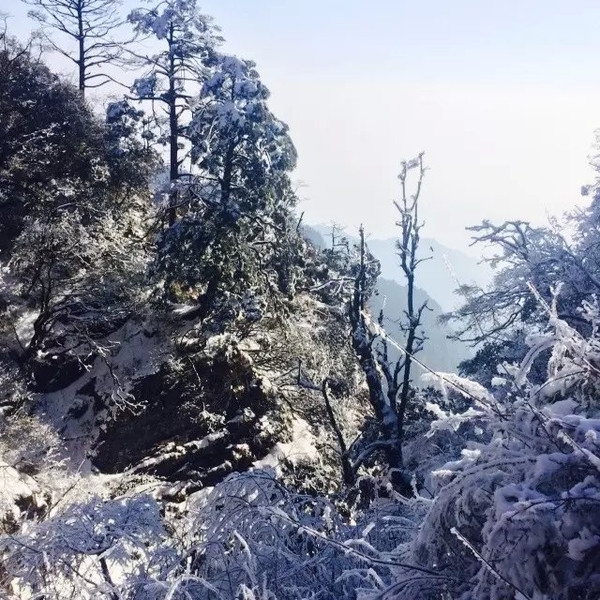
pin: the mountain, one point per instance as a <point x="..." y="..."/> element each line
<point x="439" y="275"/>
<point x="439" y="352"/>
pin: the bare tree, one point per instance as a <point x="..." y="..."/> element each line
<point x="363" y="338"/>
<point x="89" y="24"/>
<point x="390" y="382"/>
<point x="408" y="246"/>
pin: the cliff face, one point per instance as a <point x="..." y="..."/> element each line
<point x="188" y="399"/>
<point x="196" y="423"/>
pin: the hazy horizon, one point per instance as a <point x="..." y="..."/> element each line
<point x="365" y="86"/>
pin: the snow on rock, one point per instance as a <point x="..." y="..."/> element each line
<point x="301" y="447"/>
<point x="79" y="409"/>
<point x="19" y="495"/>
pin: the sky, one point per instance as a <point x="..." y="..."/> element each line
<point x="503" y="98"/>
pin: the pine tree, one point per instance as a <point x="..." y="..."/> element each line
<point x="237" y="210"/>
<point x="89" y="24"/>
<point x="188" y="38"/>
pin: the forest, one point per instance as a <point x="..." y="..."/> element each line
<point x="200" y="402"/>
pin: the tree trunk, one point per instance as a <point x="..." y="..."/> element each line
<point x="173" y="134"/>
<point x="361" y="342"/>
<point x="81" y="45"/>
<point x="410" y="344"/>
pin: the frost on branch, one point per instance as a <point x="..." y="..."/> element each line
<point x="518" y="517"/>
<point x="91" y="550"/>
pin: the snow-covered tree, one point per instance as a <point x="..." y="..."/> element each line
<point x="238" y="144"/>
<point x="528" y="261"/>
<point x="188" y="38"/>
<point x="52" y="140"/>
<point x="63" y="275"/>
<point x="515" y="517"/>
<point x="237" y="228"/>
<point x="73" y="201"/>
<point x="94" y="549"/>
<point x="48" y="135"/>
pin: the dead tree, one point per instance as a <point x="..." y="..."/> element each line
<point x="363" y="338"/>
<point x="88" y="24"/>
<point x="390" y="382"/>
<point x="408" y="246"/>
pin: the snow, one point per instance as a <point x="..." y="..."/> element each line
<point x="301" y="447"/>
<point x="183" y="310"/>
<point x="136" y="353"/>
<point x="24" y="326"/>
<point x="505" y="478"/>
<point x="17" y="490"/>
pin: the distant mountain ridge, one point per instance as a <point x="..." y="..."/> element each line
<point x="440" y="275"/>
<point x="439" y="352"/>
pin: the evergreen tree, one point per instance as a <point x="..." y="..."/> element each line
<point x="188" y="38"/>
<point x="236" y="225"/>
<point x="73" y="198"/>
<point x="48" y="135"/>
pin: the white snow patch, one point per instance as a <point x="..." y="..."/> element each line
<point x="498" y="381"/>
<point x="302" y="446"/>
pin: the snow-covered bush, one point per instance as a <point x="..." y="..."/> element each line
<point x="518" y="517"/>
<point x="261" y="540"/>
<point x="32" y="467"/>
<point x="97" y="549"/>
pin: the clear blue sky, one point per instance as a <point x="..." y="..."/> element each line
<point x="504" y="97"/>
